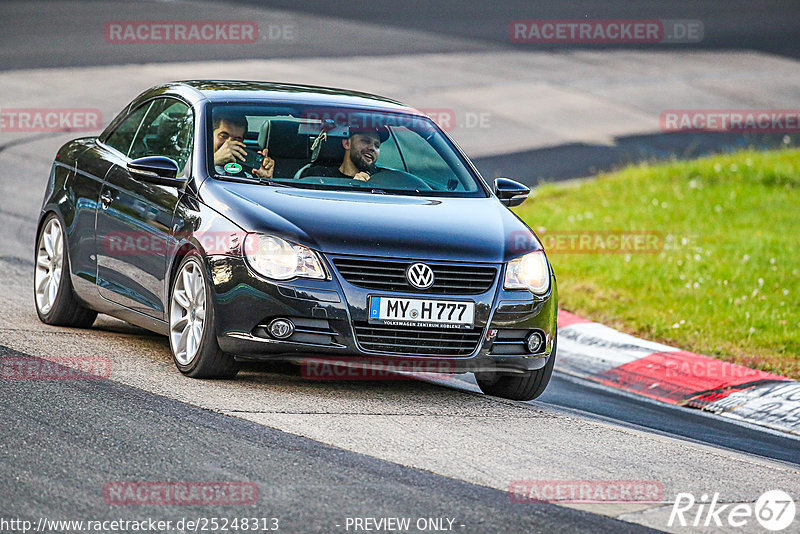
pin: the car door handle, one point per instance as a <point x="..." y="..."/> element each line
<point x="106" y="198"/>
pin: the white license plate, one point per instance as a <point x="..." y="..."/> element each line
<point x="421" y="312"/>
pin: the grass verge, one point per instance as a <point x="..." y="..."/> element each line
<point x="717" y="270"/>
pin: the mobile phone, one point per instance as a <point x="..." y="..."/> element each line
<point x="252" y="160"/>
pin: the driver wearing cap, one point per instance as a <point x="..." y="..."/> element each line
<point x="361" y="151"/>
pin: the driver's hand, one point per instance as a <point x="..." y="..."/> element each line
<point x="267" y="166"/>
<point x="362" y="176"/>
<point x="230" y="151"/>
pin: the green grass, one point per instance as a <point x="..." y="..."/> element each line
<point x="726" y="282"/>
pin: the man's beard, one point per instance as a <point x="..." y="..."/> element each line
<point x="362" y="164"/>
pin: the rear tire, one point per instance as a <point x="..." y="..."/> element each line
<point x="53" y="295"/>
<point x="192" y="337"/>
<point x="521" y="387"/>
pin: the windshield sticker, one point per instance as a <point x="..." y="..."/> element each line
<point x="233" y="168"/>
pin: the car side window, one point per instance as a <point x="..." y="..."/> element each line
<point x="122" y="137"/>
<point x="167" y="130"/>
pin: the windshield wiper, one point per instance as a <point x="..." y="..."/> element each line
<point x="267" y="181"/>
<point x="252" y="180"/>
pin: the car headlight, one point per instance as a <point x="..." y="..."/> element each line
<point x="278" y="259"/>
<point x="530" y="272"/>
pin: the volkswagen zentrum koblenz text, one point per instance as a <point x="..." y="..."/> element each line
<point x="262" y="221"/>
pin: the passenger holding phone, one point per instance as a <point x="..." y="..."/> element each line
<point x="229" y="130"/>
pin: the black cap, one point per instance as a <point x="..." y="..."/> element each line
<point x="382" y="131"/>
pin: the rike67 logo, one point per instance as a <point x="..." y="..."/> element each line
<point x="774" y="511"/>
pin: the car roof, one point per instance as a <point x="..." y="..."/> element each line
<point x="229" y="91"/>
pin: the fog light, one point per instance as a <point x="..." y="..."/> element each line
<point x="281" y="328"/>
<point x="535" y="342"/>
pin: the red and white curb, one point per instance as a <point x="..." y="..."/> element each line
<point x="601" y="354"/>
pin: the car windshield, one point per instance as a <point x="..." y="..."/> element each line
<point x="337" y="149"/>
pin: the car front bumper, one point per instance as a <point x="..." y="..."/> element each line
<point x="326" y="313"/>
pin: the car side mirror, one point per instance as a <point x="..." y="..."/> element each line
<point x="156" y="170"/>
<point x="509" y="192"/>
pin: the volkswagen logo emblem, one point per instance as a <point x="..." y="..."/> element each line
<point x="420" y="276"/>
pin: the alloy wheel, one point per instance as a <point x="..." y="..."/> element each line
<point x="49" y="265"/>
<point x="187" y="312"/>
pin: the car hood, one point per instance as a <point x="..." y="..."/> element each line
<point x="365" y="224"/>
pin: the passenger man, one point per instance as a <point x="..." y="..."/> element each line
<point x="229" y="130"/>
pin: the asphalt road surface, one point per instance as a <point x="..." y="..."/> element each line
<point x="55" y="33"/>
<point x="63" y="441"/>
<point x="58" y="33"/>
<point x="71" y="439"/>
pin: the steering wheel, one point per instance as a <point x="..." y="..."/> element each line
<point x="388" y="178"/>
<point x="393" y="179"/>
<point x="299" y="172"/>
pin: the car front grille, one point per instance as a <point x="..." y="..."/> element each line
<point x="390" y="275"/>
<point x="417" y="340"/>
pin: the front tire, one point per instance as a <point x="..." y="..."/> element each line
<point x="53" y="295"/>
<point x="192" y="337"/>
<point x="521" y="387"/>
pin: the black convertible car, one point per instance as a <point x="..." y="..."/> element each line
<point x="254" y="221"/>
